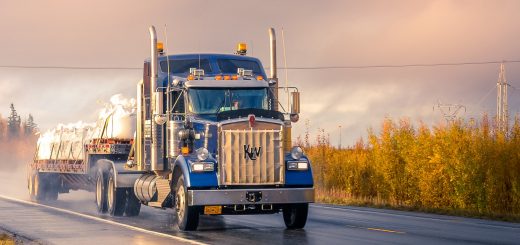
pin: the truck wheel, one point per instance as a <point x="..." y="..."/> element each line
<point x="38" y="186"/>
<point x="52" y="184"/>
<point x="133" y="205"/>
<point x="101" y="191"/>
<point x="30" y="185"/>
<point x="187" y="217"/>
<point x="116" y="196"/>
<point x="295" y="215"/>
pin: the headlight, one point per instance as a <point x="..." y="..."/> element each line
<point x="297" y="165"/>
<point x="202" y="167"/>
<point x="202" y="154"/>
<point x="296" y="153"/>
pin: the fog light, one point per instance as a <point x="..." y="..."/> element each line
<point x="202" y="167"/>
<point x="297" y="165"/>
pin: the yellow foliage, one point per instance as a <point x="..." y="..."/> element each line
<point x="467" y="166"/>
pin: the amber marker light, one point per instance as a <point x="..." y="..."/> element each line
<point x="218" y="77"/>
<point x="185" y="150"/>
<point x="160" y="47"/>
<point x="241" y="48"/>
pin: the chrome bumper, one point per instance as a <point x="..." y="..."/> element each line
<point x="238" y="196"/>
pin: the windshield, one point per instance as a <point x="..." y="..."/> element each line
<point x="215" y="100"/>
<point x="183" y="66"/>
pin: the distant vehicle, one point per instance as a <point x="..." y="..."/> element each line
<point x="209" y="140"/>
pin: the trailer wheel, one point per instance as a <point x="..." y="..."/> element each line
<point x="295" y="215"/>
<point x="38" y="187"/>
<point x="52" y="186"/>
<point x="187" y="216"/>
<point x="133" y="205"/>
<point x="30" y="185"/>
<point x="101" y="191"/>
<point x="116" y="196"/>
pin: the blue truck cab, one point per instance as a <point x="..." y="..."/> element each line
<point x="211" y="140"/>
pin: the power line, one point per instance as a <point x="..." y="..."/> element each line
<point x="68" y="67"/>
<point x="281" y="68"/>
<point x="401" y="66"/>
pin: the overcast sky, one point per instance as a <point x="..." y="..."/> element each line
<point x="317" y="33"/>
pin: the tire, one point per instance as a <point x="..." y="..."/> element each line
<point x="295" y="215"/>
<point x="38" y="187"/>
<point x="32" y="191"/>
<point x="101" y="191"/>
<point x="53" y="185"/>
<point x="116" y="197"/>
<point x="133" y="205"/>
<point x="187" y="216"/>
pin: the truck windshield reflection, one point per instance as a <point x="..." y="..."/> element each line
<point x="215" y="100"/>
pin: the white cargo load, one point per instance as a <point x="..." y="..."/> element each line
<point x="66" y="142"/>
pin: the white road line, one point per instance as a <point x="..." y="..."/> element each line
<point x="103" y="220"/>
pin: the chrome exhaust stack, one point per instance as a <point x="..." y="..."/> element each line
<point x="156" y="106"/>
<point x="273" y="67"/>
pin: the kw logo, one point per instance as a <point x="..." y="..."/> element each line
<point x="252" y="152"/>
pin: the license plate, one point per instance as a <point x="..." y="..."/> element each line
<point x="212" y="209"/>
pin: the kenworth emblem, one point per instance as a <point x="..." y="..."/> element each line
<point x="252" y="152"/>
<point x="252" y="120"/>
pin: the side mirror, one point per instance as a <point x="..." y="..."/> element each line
<point x="295" y="107"/>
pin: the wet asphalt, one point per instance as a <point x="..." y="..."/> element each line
<point x="326" y="225"/>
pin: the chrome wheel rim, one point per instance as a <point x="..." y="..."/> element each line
<point x="179" y="203"/>
<point x="36" y="184"/>
<point x="31" y="186"/>
<point x="98" y="191"/>
<point x="110" y="192"/>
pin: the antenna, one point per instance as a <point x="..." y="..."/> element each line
<point x="502" y="106"/>
<point x="166" y="52"/>
<point x="449" y="111"/>
<point x="286" y="71"/>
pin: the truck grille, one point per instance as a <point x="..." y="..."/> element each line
<point x="251" y="157"/>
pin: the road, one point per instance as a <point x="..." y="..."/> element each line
<point x="73" y="219"/>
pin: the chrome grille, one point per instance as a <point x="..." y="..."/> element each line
<point x="251" y="157"/>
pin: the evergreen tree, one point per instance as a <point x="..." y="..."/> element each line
<point x="13" y="123"/>
<point x="29" y="126"/>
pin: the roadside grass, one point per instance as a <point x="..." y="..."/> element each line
<point x="6" y="239"/>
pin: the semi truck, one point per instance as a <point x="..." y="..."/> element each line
<point x="211" y="138"/>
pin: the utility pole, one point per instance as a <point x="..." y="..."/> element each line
<point x="339" y="145"/>
<point x="502" y="107"/>
<point x="450" y="111"/>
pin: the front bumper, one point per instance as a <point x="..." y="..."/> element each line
<point x="238" y="196"/>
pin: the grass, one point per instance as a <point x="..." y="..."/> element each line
<point x="6" y="239"/>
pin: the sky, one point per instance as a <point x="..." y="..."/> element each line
<point x="316" y="33"/>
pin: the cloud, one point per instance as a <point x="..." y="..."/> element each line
<point x="114" y="33"/>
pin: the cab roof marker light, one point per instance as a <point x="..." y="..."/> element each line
<point x="244" y="73"/>
<point x="197" y="72"/>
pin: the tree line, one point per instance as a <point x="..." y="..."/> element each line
<point x="464" y="167"/>
<point x="17" y="139"/>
